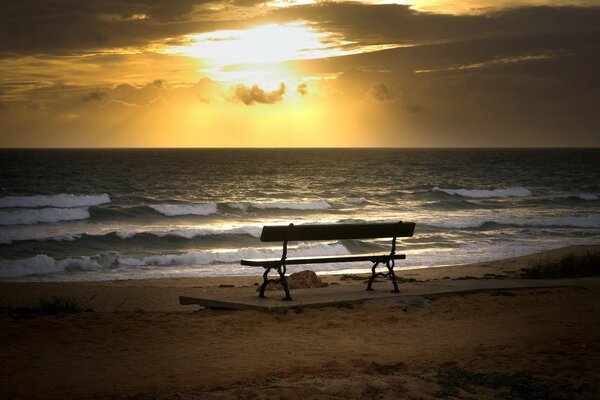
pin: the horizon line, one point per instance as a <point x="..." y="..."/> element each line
<point x="319" y="148"/>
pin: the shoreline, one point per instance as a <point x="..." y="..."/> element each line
<point x="162" y="294"/>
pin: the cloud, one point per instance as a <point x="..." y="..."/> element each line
<point x="96" y="95"/>
<point x="381" y="92"/>
<point x="73" y="26"/>
<point x="376" y="24"/>
<point x="249" y="3"/>
<point x="254" y="94"/>
<point x="302" y="89"/>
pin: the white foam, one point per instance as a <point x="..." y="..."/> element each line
<point x="190" y="233"/>
<point x="42" y="215"/>
<point x="590" y="221"/>
<point x="475" y="193"/>
<point x="238" y="205"/>
<point x="186" y="209"/>
<point x="230" y="256"/>
<point x="587" y="196"/>
<point x="293" y="205"/>
<point x="44" y="265"/>
<point x="357" y="200"/>
<point x="58" y="200"/>
<point x="10" y="236"/>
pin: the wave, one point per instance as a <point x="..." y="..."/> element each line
<point x="45" y="265"/>
<point x="186" y="209"/>
<point x="282" y="205"/>
<point x="194" y="232"/>
<point x="43" y="215"/>
<point x="591" y="221"/>
<point x="42" y="264"/>
<point x="482" y="193"/>
<point x="357" y="200"/>
<point x="183" y="233"/>
<point x="57" y="200"/>
<point x="587" y="196"/>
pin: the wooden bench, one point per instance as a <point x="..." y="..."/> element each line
<point x="293" y="233"/>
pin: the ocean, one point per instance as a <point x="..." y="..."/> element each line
<point x="77" y="215"/>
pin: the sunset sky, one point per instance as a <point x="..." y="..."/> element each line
<point x="299" y="73"/>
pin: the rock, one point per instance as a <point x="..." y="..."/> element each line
<point x="299" y="280"/>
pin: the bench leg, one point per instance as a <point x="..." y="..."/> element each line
<point x="373" y="275"/>
<point x="284" y="282"/>
<point x="392" y="276"/>
<point x="265" y="282"/>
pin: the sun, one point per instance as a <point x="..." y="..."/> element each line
<point x="255" y="55"/>
<point x="225" y="53"/>
<point x="262" y="44"/>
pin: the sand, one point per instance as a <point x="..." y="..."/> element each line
<point x="140" y="343"/>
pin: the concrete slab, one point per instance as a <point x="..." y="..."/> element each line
<point x="341" y="294"/>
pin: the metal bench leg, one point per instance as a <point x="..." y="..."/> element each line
<point x="373" y="275"/>
<point x="284" y="282"/>
<point x="265" y="282"/>
<point x="392" y="275"/>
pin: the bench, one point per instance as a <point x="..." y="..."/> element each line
<point x="291" y="233"/>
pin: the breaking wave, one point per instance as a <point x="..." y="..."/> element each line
<point x="591" y="221"/>
<point x="186" y="209"/>
<point x="183" y="233"/>
<point x="283" y="205"/>
<point x="482" y="193"/>
<point x="587" y="196"/>
<point x="57" y="200"/>
<point x="42" y="264"/>
<point x="42" y="215"/>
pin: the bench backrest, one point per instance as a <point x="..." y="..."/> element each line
<point x="280" y="233"/>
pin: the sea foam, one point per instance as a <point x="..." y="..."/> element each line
<point x="590" y="221"/>
<point x="172" y="210"/>
<point x="42" y="215"/>
<point x="293" y="205"/>
<point x="57" y="200"/>
<point x="44" y="265"/>
<point x="482" y="193"/>
<point x="231" y="256"/>
<point x="588" y="196"/>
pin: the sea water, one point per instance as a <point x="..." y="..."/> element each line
<point x="70" y="215"/>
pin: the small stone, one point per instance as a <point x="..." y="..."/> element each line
<point x="299" y="280"/>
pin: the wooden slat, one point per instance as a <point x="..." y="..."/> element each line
<point x="272" y="233"/>
<point x="374" y="257"/>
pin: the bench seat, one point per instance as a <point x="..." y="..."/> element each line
<point x="274" y="262"/>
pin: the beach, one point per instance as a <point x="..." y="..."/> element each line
<point x="136" y="341"/>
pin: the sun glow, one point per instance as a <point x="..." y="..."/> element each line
<point x="253" y="54"/>
<point x="262" y="44"/>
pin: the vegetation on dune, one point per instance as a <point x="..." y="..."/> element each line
<point x="570" y="266"/>
<point x="54" y="305"/>
<point x="59" y="305"/>
<point x="455" y="382"/>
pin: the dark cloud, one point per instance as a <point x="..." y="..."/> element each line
<point x="62" y="27"/>
<point x="381" y="92"/>
<point x="302" y="89"/>
<point x="394" y="23"/>
<point x="254" y="94"/>
<point x="249" y="3"/>
<point x="73" y="26"/>
<point x="96" y="95"/>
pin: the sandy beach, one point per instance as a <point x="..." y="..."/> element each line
<point x="139" y="342"/>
